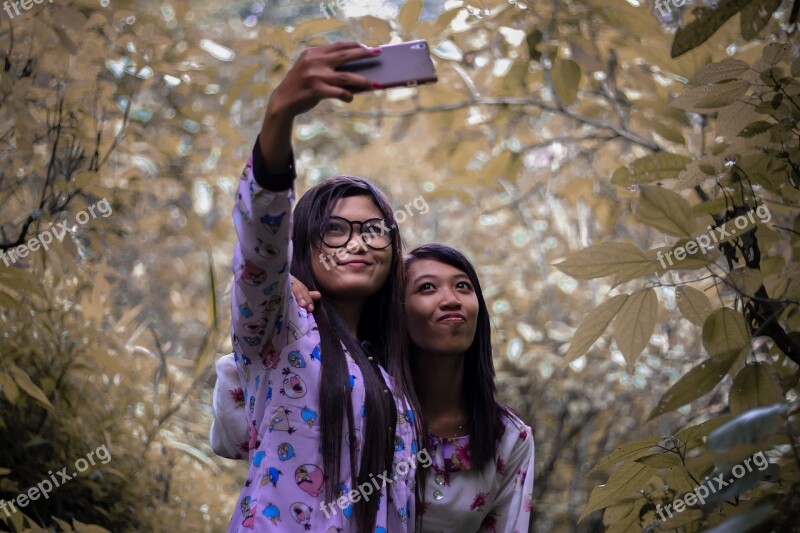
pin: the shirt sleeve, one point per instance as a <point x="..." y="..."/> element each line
<point x="512" y="508"/>
<point x="229" y="432"/>
<point x="261" y="293"/>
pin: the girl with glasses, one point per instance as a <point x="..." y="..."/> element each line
<point x="323" y="420"/>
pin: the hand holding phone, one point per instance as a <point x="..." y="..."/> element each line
<point x="406" y="64"/>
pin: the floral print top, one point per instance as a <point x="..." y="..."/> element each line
<point x="458" y="498"/>
<point x="268" y="411"/>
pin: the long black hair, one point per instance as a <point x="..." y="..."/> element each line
<point x="478" y="388"/>
<point x="381" y="328"/>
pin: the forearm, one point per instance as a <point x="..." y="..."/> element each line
<point x="275" y="140"/>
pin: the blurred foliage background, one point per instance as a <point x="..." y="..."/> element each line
<point x="567" y="146"/>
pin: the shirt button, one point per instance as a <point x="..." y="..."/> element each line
<point x="386" y="391"/>
<point x="437" y="495"/>
<point x="439" y="479"/>
<point x="370" y="358"/>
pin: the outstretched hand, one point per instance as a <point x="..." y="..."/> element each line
<point x="303" y="296"/>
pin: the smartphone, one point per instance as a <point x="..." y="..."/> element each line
<point x="405" y="64"/>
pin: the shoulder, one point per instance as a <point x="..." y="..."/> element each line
<point x="517" y="439"/>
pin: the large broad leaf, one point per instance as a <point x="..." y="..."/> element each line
<point x="25" y="383"/>
<point x="754" y="387"/>
<point x="409" y="15"/>
<point x="700" y="29"/>
<point x="725" y="70"/>
<point x="593" y="325"/>
<point x="695" y="383"/>
<point x="755" y="16"/>
<point x="694" y="305"/>
<point x="628" y="452"/>
<point x="665" y="210"/>
<point x="566" y="75"/>
<point x="629" y="479"/>
<point x="634" y="324"/>
<point x="706" y="97"/>
<point x="748" y="428"/>
<point x="651" y="168"/>
<point x="607" y="259"/>
<point x="725" y="331"/>
<point x="693" y="436"/>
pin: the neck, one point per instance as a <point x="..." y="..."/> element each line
<point x="440" y="380"/>
<point x="350" y="311"/>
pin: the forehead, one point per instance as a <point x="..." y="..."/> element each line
<point x="356" y="208"/>
<point x="430" y="267"/>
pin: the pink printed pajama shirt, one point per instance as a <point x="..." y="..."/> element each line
<point x="277" y="364"/>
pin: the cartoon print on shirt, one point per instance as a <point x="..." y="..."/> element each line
<point x="272" y="476"/>
<point x="293" y="385"/>
<point x="271" y="287"/>
<point x="255" y="442"/>
<point x="357" y="434"/>
<point x="272" y="513"/>
<point x="272" y="223"/>
<point x="252" y="275"/>
<point x="285" y="451"/>
<point x="341" y="489"/>
<point x="245" y="311"/>
<point x="266" y="250"/>
<point x="309" y="416"/>
<point x="256" y="328"/>
<point x="280" y="421"/>
<point x="315" y="354"/>
<point x="296" y="359"/>
<point x="270" y="357"/>
<point x="309" y="479"/>
<point x="258" y="458"/>
<point x="302" y="514"/>
<point x="249" y="515"/>
<point x="294" y="330"/>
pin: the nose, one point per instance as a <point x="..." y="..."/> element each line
<point x="450" y="300"/>
<point x="356" y="244"/>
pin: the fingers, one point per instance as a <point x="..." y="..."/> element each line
<point x="349" y="81"/>
<point x="315" y="295"/>
<point x="342" y="56"/>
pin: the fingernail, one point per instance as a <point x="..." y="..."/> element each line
<point x="311" y="307"/>
<point x="376" y="85"/>
<point x="376" y="51"/>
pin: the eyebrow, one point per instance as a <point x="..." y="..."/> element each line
<point x="434" y="277"/>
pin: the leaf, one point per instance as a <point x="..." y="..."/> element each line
<point x="774" y="52"/>
<point x="635" y="323"/>
<point x="723" y="94"/>
<point x="748" y="428"/>
<point x="655" y="167"/>
<point x="725" y="70"/>
<point x="316" y="27"/>
<point x="668" y="133"/>
<point x="566" y="75"/>
<point x="700" y="29"/>
<point x="694" y="436"/>
<point x="665" y="210"/>
<point x="24" y="382"/>
<point x="725" y="331"/>
<point x="697" y="382"/>
<point x="754" y="387"/>
<point x="745" y="281"/>
<point x="628" y="479"/>
<point x="755" y="17"/>
<point x="605" y="260"/>
<point x="754" y="128"/>
<point x="693" y="304"/>
<point x="745" y="520"/>
<point x="9" y="302"/>
<point x="628" y="452"/>
<point x="409" y="15"/>
<point x="9" y="388"/>
<point x="593" y="325"/>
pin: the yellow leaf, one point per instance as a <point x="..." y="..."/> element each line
<point x="24" y="382"/>
<point x="665" y="210"/>
<point x="693" y="304"/>
<point x="9" y="388"/>
<point x="746" y="281"/>
<point x="629" y="479"/>
<point x="634" y="324"/>
<point x="409" y="15"/>
<point x="566" y="75"/>
<point x="754" y="387"/>
<point x="606" y="259"/>
<point x="593" y="325"/>
<point x="725" y="331"/>
<point x="651" y="168"/>
<point x="627" y="452"/>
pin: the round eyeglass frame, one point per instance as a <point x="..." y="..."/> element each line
<point x="350" y="232"/>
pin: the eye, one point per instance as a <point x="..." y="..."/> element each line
<point x="464" y="285"/>
<point x="425" y="287"/>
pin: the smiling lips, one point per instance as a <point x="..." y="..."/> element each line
<point x="452" y="318"/>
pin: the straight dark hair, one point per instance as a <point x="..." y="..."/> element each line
<point x="478" y="388"/>
<point x="381" y="328"/>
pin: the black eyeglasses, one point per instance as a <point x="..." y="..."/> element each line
<point x="374" y="232"/>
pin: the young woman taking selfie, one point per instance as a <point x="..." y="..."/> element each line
<point x="312" y="390"/>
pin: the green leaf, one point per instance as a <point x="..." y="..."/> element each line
<point x="9" y="388"/>
<point x="628" y="452"/>
<point x="605" y="260"/>
<point x="755" y="16"/>
<point x="409" y="15"/>
<point x="693" y="436"/>
<point x="24" y="382"/>
<point x="723" y="94"/>
<point x="630" y="478"/>
<point x="750" y="427"/>
<point x="566" y="75"/>
<point x="697" y="382"/>
<point x="725" y="70"/>
<point x="651" y="168"/>
<point x="634" y="324"/>
<point x="701" y="28"/>
<point x="665" y="210"/>
<point x="725" y="331"/>
<point x="593" y="325"/>
<point x="754" y="387"/>
<point x="694" y="305"/>
<point x="754" y="128"/>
